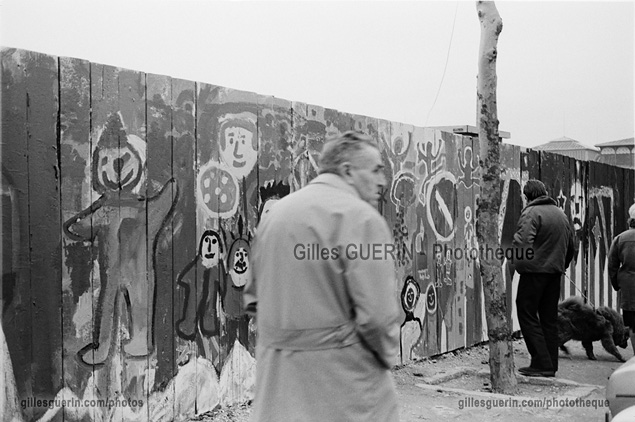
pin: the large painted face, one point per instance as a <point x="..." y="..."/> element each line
<point x="239" y="146"/>
<point x="367" y="174"/>
<point x="210" y="249"/>
<point x="118" y="168"/>
<point x="239" y="269"/>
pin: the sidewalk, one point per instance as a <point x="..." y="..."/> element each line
<point x="424" y="393"/>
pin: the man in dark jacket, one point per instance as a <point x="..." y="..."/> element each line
<point x="622" y="272"/>
<point x="544" y="248"/>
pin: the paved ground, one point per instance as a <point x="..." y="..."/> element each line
<point x="425" y="396"/>
<point x="577" y="377"/>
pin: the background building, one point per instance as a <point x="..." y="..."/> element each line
<point x="570" y="147"/>
<point x="618" y="153"/>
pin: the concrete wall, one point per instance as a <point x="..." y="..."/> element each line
<point x="114" y="183"/>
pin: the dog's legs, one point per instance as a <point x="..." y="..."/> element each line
<point x="609" y="345"/>
<point x="632" y="335"/>
<point x="565" y="350"/>
<point x="588" y="346"/>
<point x="564" y="335"/>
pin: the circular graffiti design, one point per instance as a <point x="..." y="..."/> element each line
<point x="439" y="198"/>
<point x="403" y="190"/>
<point x="218" y="190"/>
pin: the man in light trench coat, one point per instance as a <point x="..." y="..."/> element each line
<point x="323" y="293"/>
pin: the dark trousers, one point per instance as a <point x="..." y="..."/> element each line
<point x="537" y="307"/>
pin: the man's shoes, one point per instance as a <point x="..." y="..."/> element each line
<point x="528" y="371"/>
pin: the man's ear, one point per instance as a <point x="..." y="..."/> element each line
<point x="344" y="169"/>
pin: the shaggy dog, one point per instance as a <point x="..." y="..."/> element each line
<point x="579" y="321"/>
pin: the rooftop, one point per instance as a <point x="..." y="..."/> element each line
<point x="564" y="144"/>
<point x="620" y="143"/>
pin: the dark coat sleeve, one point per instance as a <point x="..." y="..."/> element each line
<point x="614" y="263"/>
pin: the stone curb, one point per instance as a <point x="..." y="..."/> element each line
<point x="448" y="375"/>
<point x="576" y="393"/>
<point x="462" y="370"/>
<point x="579" y="390"/>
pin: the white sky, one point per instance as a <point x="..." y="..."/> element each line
<point x="564" y="68"/>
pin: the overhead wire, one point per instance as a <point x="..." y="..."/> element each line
<point x="447" y="59"/>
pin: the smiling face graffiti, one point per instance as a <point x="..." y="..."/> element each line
<point x="410" y="295"/>
<point x="118" y="159"/>
<point x="118" y="168"/>
<point x="239" y="143"/>
<point x="210" y="249"/>
<point x="239" y="269"/>
<point x="431" y="299"/>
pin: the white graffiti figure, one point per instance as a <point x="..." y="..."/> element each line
<point x="578" y="205"/>
<point x="469" y="233"/>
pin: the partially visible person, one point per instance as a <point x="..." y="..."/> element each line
<point x="544" y="242"/>
<point x="327" y="319"/>
<point x="622" y="272"/>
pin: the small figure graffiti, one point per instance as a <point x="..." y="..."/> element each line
<point x="401" y="145"/>
<point x="212" y="283"/>
<point x="410" y="294"/>
<point x="119" y="221"/>
<point x="469" y="234"/>
<point x="427" y="158"/>
<point x="467" y="168"/>
<point x="201" y="295"/>
<point x="239" y="271"/>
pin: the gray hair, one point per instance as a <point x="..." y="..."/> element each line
<point x="342" y="148"/>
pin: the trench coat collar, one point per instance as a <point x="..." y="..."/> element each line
<point x="335" y="181"/>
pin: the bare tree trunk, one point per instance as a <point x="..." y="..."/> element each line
<point x="501" y="352"/>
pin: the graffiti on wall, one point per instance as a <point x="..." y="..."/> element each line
<point x="161" y="184"/>
<point x="601" y="208"/>
<point x="118" y="221"/>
